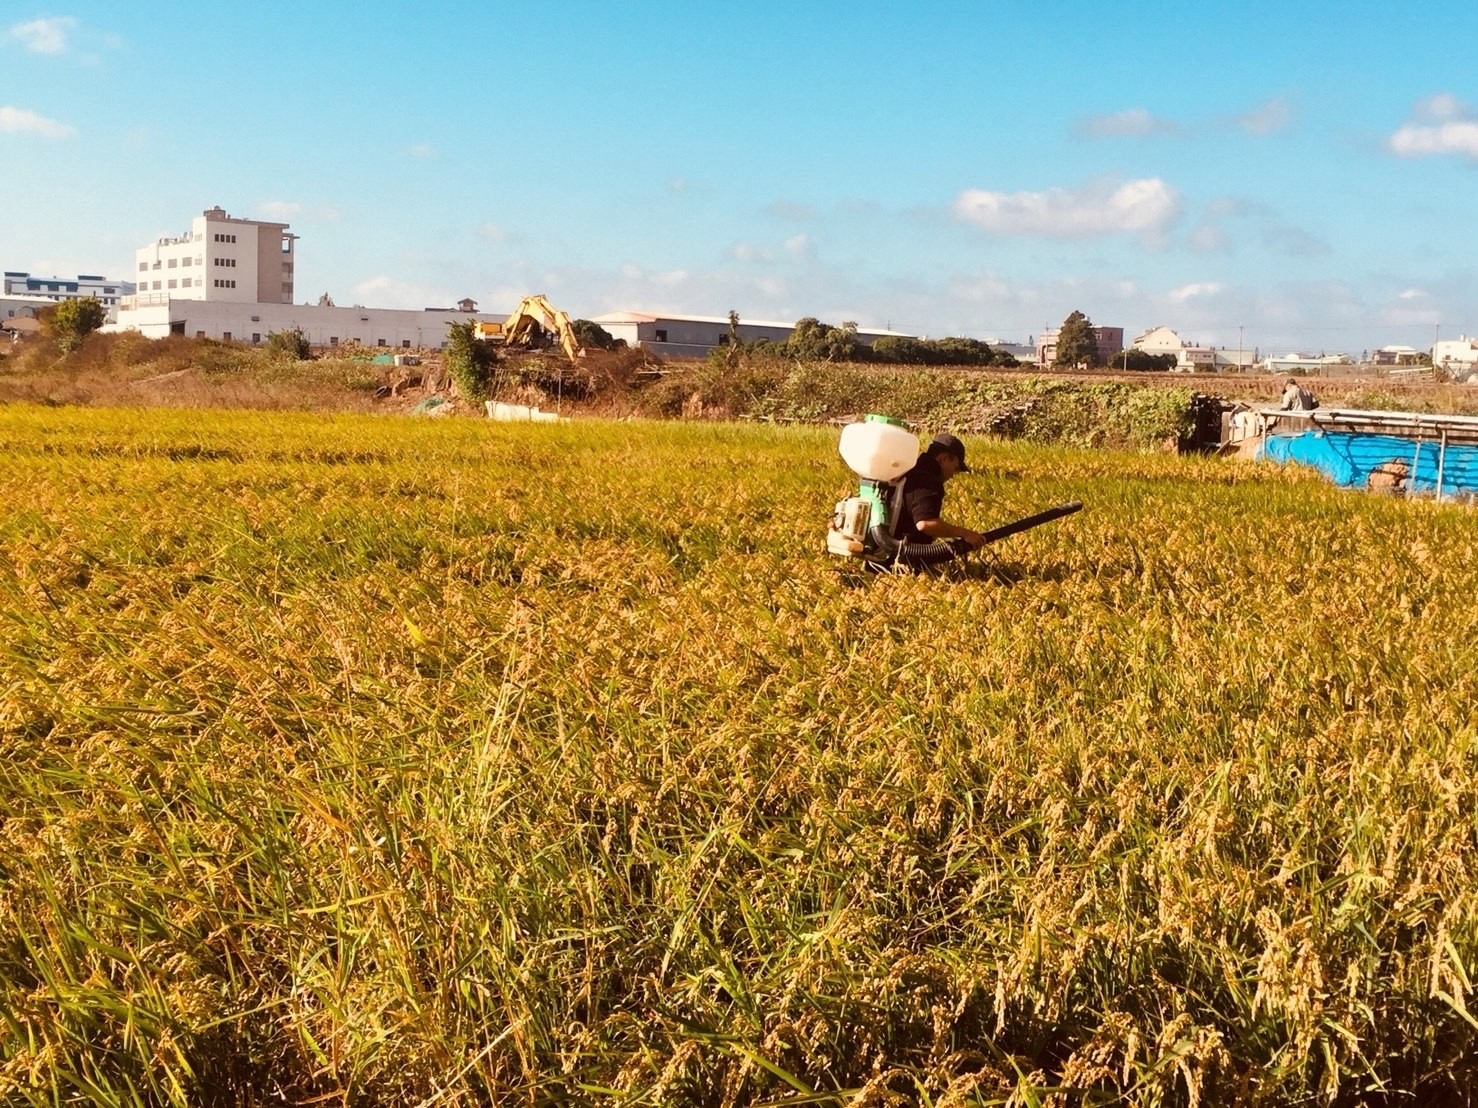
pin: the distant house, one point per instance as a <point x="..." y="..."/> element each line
<point x="1305" y="363"/>
<point x="1458" y="353"/>
<point x="1159" y="340"/>
<point x="1196" y="359"/>
<point x="67" y="288"/>
<point x="18" y="306"/>
<point x="1396" y="355"/>
<point x="20" y="325"/>
<point x="696" y="335"/>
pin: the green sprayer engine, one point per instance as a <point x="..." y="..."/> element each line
<point x="880" y="450"/>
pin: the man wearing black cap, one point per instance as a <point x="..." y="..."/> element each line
<point x="925" y="539"/>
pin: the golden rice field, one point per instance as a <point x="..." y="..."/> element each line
<point x="365" y="761"/>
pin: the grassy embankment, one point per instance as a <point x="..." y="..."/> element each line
<point x="1103" y="409"/>
<point x="393" y="762"/>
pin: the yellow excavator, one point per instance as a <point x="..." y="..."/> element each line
<point x="533" y="316"/>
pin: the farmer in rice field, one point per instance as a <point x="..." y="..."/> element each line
<point x="1296" y="398"/>
<point x="926" y="540"/>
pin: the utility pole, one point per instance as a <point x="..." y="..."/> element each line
<point x="1240" y="366"/>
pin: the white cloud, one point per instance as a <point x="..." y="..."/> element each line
<point x="491" y="232"/>
<point x="1100" y="208"/>
<point x="1410" y="294"/>
<point x="19" y="121"/>
<point x="1269" y="116"/>
<point x="422" y="150"/>
<point x="285" y="211"/>
<point x="1129" y="123"/>
<point x="1208" y="238"/>
<point x="790" y="210"/>
<point x="1440" y="124"/>
<point x="387" y="292"/>
<point x="279" y="210"/>
<point x="1442" y="105"/>
<point x="799" y="246"/>
<point x="980" y="288"/>
<point x="44" y="36"/>
<point x="1198" y="290"/>
<point x="1255" y="219"/>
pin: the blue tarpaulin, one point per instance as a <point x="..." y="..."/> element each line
<point x="1349" y="458"/>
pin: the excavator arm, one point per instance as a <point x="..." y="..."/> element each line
<point x="537" y="311"/>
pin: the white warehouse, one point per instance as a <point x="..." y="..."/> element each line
<point x="322" y="326"/>
<point x="696" y="335"/>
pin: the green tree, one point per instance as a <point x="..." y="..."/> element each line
<point x="71" y="321"/>
<point x="1142" y="361"/>
<point x="469" y="361"/>
<point x="290" y="343"/>
<point x="1076" y="344"/>
<point x="592" y="336"/>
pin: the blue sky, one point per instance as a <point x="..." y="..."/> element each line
<point x="1306" y="172"/>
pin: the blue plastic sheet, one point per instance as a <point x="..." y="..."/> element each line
<point x="1349" y="458"/>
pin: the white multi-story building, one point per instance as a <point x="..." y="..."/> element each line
<point x="241" y="261"/>
<point x="19" y="284"/>
<point x="232" y="280"/>
<point x="1459" y="354"/>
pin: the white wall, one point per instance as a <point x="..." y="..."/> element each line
<point x="215" y="319"/>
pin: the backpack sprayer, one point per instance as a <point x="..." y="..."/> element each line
<point x="881" y="451"/>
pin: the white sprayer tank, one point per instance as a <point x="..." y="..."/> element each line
<point x="879" y="448"/>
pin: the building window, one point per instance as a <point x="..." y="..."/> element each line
<point x="333" y="340"/>
<point x="661" y="336"/>
<point x="110" y="292"/>
<point x="406" y="343"/>
<point x="173" y="283"/>
<point x="143" y="267"/>
<point x="381" y="342"/>
<point x="185" y="261"/>
<point x="156" y="265"/>
<point x="156" y="284"/>
<point x="287" y="288"/>
<point x="173" y="263"/>
<point x="256" y="337"/>
<point x="226" y="335"/>
<point x="200" y="334"/>
<point x="184" y="282"/>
